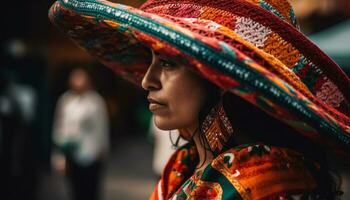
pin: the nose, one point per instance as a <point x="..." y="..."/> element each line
<point x="151" y="80"/>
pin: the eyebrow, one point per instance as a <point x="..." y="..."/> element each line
<point x="157" y="54"/>
<point x="165" y="57"/>
<point x="162" y="56"/>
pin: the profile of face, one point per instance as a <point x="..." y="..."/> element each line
<point x="175" y="93"/>
<point x="79" y="80"/>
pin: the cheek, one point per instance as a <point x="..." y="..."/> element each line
<point x="184" y="100"/>
<point x="187" y="105"/>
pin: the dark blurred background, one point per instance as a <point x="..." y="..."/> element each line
<point x="38" y="58"/>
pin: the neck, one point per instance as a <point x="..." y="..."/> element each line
<point x="79" y="92"/>
<point x="204" y="153"/>
<point x="218" y="135"/>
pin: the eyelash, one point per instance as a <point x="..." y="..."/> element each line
<point x="166" y="64"/>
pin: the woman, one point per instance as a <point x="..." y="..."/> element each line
<point x="179" y="99"/>
<point x="259" y="102"/>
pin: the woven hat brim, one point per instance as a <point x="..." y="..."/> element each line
<point x="131" y="32"/>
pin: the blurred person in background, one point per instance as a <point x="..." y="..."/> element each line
<point x="81" y="136"/>
<point x="18" y="174"/>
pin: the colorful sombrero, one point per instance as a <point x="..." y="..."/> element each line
<point x="252" y="48"/>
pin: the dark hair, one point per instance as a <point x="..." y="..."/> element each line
<point x="275" y="133"/>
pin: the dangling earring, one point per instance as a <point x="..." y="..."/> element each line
<point x="217" y="128"/>
<point x="174" y="145"/>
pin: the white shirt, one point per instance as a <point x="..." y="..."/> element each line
<point x="82" y="119"/>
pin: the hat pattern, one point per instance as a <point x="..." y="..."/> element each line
<point x="257" y="25"/>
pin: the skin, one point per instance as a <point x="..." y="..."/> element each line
<point x="79" y="81"/>
<point x="176" y="96"/>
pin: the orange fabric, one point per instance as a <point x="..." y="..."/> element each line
<point x="257" y="172"/>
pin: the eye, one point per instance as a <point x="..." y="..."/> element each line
<point x="166" y="64"/>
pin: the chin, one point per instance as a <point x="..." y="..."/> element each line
<point x="164" y="124"/>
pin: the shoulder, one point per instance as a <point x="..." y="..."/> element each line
<point x="182" y="161"/>
<point x="179" y="168"/>
<point x="94" y="99"/>
<point x="242" y="155"/>
<point x="185" y="155"/>
<point x="64" y="97"/>
<point x="262" y="171"/>
<point x="94" y="96"/>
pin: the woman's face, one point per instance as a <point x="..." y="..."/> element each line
<point x="176" y="94"/>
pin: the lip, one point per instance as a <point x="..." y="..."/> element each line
<point x="155" y="101"/>
<point x="156" y="106"/>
